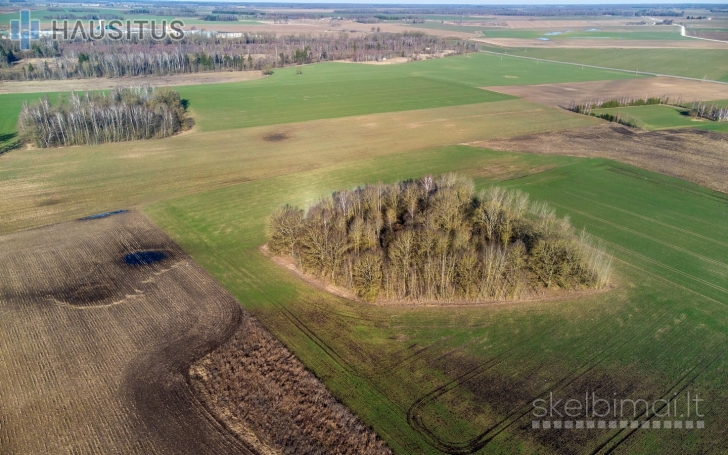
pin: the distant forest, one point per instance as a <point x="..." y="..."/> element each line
<point x="198" y="53"/>
<point x="435" y="239"/>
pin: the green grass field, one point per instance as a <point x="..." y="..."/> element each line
<point x="711" y="64"/>
<point x="333" y="90"/>
<point x="430" y="380"/>
<point x="662" y="328"/>
<point x="659" y="117"/>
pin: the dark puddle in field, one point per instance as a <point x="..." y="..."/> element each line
<point x="102" y="215"/>
<point x="276" y="137"/>
<point x="138" y="258"/>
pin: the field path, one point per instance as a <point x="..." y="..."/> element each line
<point x="106" y="83"/>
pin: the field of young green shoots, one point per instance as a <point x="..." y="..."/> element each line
<point x="443" y="380"/>
<point x="709" y="64"/>
<point x="659" y="117"/>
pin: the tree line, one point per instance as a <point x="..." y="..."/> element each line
<point x="199" y="53"/>
<point x="696" y="109"/>
<point x="624" y="101"/>
<point x="435" y="239"/>
<point x="126" y="114"/>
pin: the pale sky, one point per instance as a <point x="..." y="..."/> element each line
<point x="503" y="2"/>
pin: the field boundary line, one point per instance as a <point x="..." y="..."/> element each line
<point x="662" y="265"/>
<point x="622" y="70"/>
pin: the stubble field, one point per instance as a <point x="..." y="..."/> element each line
<point x="95" y="351"/>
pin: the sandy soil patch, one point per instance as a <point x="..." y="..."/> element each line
<point x="389" y="61"/>
<point x="697" y="156"/>
<point x="109" y="83"/>
<point x="560" y="95"/>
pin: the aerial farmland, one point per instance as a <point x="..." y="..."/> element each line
<point x="402" y="229"/>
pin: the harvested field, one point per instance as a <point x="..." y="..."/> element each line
<point x="561" y="94"/>
<point x="328" y="27"/>
<point x="103" y="83"/>
<point x="696" y="156"/>
<point x="102" y="319"/>
<point x="95" y="352"/>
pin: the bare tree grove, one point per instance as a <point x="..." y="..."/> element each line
<point x="126" y="114"/>
<point x="435" y="239"/>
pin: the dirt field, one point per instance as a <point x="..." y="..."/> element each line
<point x="696" y="156"/>
<point x="326" y="26"/>
<point x="603" y="44"/>
<point x="560" y="95"/>
<point x="107" y="83"/>
<point x="94" y="352"/>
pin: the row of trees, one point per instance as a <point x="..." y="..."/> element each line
<point x="696" y="109"/>
<point x="197" y="52"/>
<point x="435" y="239"/>
<point x="126" y="114"/>
<point x="219" y="17"/>
<point x="624" y="101"/>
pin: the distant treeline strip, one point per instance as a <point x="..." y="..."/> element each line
<point x="696" y="109"/>
<point x="126" y="114"/>
<point x="198" y="53"/>
<point x="436" y="240"/>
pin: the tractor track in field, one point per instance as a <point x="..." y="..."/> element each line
<point x="482" y="440"/>
<point x="648" y="237"/>
<point x="610" y="445"/>
<point x="671" y="269"/>
<point x="646" y="218"/>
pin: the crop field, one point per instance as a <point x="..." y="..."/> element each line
<point x="580" y="34"/>
<point x="343" y="89"/>
<point x="94" y="350"/>
<point x="428" y="379"/>
<point x="710" y="64"/>
<point x="434" y="380"/>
